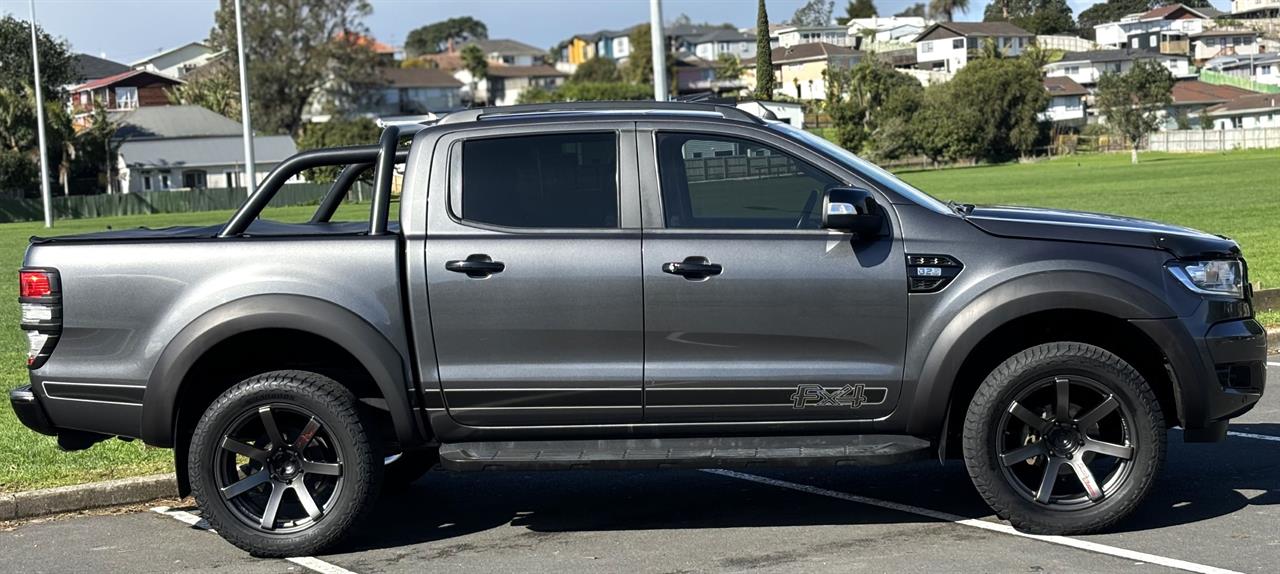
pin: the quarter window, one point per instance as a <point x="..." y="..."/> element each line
<point x="714" y="182"/>
<point x="544" y="181"/>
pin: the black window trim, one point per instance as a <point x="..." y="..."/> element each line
<point x="453" y="205"/>
<point x="662" y="213"/>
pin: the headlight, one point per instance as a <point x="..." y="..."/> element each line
<point x="1223" y="277"/>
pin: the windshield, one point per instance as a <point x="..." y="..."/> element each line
<point x="863" y="167"/>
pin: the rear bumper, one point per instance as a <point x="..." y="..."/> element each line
<point x="30" y="412"/>
<point x="1218" y="371"/>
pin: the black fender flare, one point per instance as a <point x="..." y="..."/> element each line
<point x="1052" y="291"/>
<point x="322" y="318"/>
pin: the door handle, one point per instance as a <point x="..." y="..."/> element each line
<point x="692" y="268"/>
<point x="476" y="266"/>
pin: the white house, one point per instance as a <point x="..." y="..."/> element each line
<point x="176" y="62"/>
<point x="502" y="85"/>
<point x="507" y="52"/>
<point x="1166" y="29"/>
<point x="1262" y="68"/>
<point x="1253" y="111"/>
<point x="789" y="36"/>
<point x="887" y="30"/>
<point x="1066" y="101"/>
<point x="713" y="44"/>
<point x="1086" y="67"/>
<point x="948" y="46"/>
<point x="188" y="147"/>
<point x="1255" y="9"/>
<point x="1225" y="42"/>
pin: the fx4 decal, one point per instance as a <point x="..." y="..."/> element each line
<point x="852" y="396"/>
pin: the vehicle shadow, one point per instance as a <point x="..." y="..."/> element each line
<point x="1199" y="482"/>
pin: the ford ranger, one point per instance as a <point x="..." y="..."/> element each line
<point x="635" y="285"/>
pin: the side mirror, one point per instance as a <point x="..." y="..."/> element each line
<point x="851" y="209"/>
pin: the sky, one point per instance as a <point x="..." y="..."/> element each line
<point x="129" y="30"/>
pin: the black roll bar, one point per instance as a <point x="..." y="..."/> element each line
<point x="383" y="171"/>
<point x="342" y="187"/>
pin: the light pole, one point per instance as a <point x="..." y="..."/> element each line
<point x="659" y="41"/>
<point x="44" y="155"/>
<point x="250" y="173"/>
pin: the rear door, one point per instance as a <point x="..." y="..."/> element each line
<point x="752" y="312"/>
<point x="533" y="272"/>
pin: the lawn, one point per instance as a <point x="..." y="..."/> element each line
<point x="29" y="460"/>
<point x="1235" y="194"/>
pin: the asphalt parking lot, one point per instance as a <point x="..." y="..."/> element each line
<point x="1214" y="509"/>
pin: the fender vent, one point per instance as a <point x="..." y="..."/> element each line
<point x="931" y="273"/>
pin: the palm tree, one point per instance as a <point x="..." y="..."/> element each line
<point x="945" y="9"/>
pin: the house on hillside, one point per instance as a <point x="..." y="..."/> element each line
<point x="414" y="91"/>
<point x="187" y="147"/>
<point x="788" y="36"/>
<point x="1166" y="29"/>
<point x="800" y="71"/>
<point x="721" y="41"/>
<point x="1262" y="68"/>
<point x="1191" y="97"/>
<point x="1256" y="10"/>
<point x="891" y="30"/>
<point x="1220" y="42"/>
<point x="1086" y="67"/>
<point x="1066" y="102"/>
<point x="502" y="85"/>
<point x="124" y="91"/>
<point x="89" y="68"/>
<point x="177" y="62"/>
<point x="948" y="46"/>
<point x="1252" y="111"/>
<point x="505" y="52"/>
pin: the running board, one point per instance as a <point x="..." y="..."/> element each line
<point x="706" y="452"/>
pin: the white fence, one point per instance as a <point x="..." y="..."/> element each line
<point x="1066" y="43"/>
<point x="1214" y="140"/>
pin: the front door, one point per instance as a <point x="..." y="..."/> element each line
<point x="533" y="271"/>
<point x="752" y="312"/>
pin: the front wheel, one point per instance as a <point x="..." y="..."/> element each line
<point x="1064" y="438"/>
<point x="282" y="464"/>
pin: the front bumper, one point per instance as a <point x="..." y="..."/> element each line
<point x="1218" y="371"/>
<point x="30" y="412"/>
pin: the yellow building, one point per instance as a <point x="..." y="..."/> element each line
<point x="799" y="71"/>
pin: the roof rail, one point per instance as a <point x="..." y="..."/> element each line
<point x="475" y="114"/>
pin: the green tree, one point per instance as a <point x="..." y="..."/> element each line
<point x="813" y="13"/>
<point x="1035" y="16"/>
<point x="325" y="53"/>
<point x="57" y="64"/>
<point x="1132" y="102"/>
<point x="640" y="64"/>
<point x="335" y="133"/>
<point x="945" y="10"/>
<point x="859" y="9"/>
<point x="917" y="10"/>
<point x="728" y="67"/>
<point x="216" y="88"/>
<point x="474" y="62"/>
<point x="1109" y="11"/>
<point x="98" y="147"/>
<point x="871" y="106"/>
<point x="597" y="70"/>
<point x="764" y="56"/>
<point x="20" y="144"/>
<point x="435" y="37"/>
<point x="989" y="110"/>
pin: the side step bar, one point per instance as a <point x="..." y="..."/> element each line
<point x="706" y="452"/>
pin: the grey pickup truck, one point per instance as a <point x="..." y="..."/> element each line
<point x="635" y="285"/>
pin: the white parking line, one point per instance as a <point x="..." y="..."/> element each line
<point x="1273" y="363"/>
<point x="308" y="562"/>
<point x="983" y="524"/>
<point x="1254" y="436"/>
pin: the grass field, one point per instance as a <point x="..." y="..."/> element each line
<point x="1236" y="194"/>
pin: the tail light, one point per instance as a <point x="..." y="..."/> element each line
<point x="40" y="294"/>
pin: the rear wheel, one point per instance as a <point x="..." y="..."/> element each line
<point x="1064" y="438"/>
<point x="282" y="465"/>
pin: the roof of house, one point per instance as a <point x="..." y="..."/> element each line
<point x="419" y="78"/>
<point x="1187" y="92"/>
<point x="805" y="52"/>
<point x="367" y="41"/>
<point x="523" y="72"/>
<point x="1252" y="103"/>
<point x="723" y="35"/>
<point x="1226" y="62"/>
<point x="92" y="67"/>
<point x="974" y="29"/>
<point x="164" y="53"/>
<point x="1112" y="55"/>
<point x="1224" y="32"/>
<point x="1171" y="12"/>
<point x="149" y="122"/>
<point x="505" y="46"/>
<point x="109" y="80"/>
<point x="1064" y="86"/>
<point x="204" y="151"/>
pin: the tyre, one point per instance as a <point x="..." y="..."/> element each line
<point x="282" y="464"/>
<point x="1064" y="438"/>
<point x="402" y="469"/>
